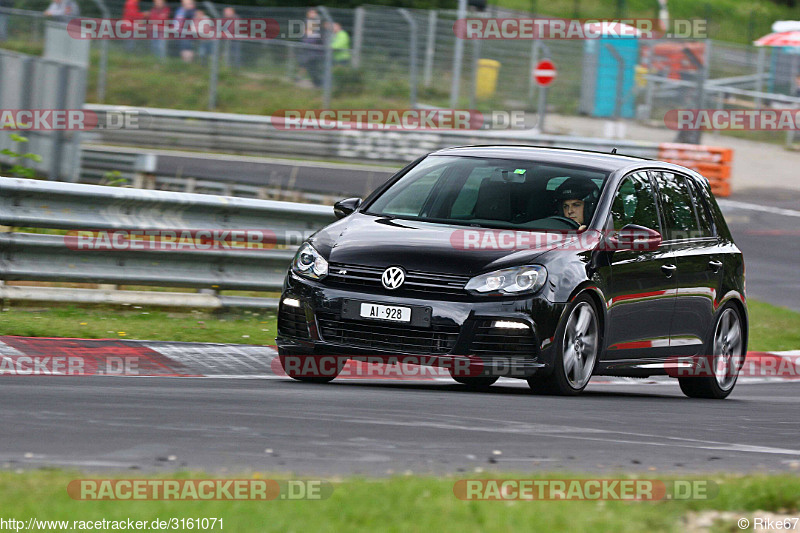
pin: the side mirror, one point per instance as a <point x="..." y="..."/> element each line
<point x="342" y="208"/>
<point x="634" y="237"/>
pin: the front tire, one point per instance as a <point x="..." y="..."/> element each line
<point x="311" y="368"/>
<point x="577" y="347"/>
<point x="726" y="352"/>
<point x="476" y="383"/>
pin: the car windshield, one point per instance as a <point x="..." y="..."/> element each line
<point x="494" y="193"/>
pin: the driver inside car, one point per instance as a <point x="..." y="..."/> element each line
<point x="575" y="199"/>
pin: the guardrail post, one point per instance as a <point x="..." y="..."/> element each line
<point x="458" y="56"/>
<point x="534" y="62"/>
<point x="57" y="136"/>
<point x="102" y="71"/>
<point x="476" y="54"/>
<point x="214" y="71"/>
<point x="412" y="55"/>
<point x="760" y="71"/>
<point x="358" y="36"/>
<point x="430" y="48"/>
<point x="214" y="76"/>
<point x="327" y="38"/>
<point x="694" y="137"/>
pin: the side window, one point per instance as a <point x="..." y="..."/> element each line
<point x="678" y="206"/>
<point x="703" y="210"/>
<point x="635" y="203"/>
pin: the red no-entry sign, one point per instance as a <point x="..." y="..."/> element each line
<point x="545" y="72"/>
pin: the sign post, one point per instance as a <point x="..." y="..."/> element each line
<point x="544" y="73"/>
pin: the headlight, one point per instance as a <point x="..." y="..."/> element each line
<point x="510" y="280"/>
<point x="309" y="263"/>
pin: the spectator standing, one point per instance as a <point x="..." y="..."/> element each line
<point x="340" y="46"/>
<point x="159" y="14"/>
<point x="203" y="45"/>
<point x="311" y="52"/>
<point x="132" y="15"/>
<point x="234" y="46"/>
<point x="185" y="15"/>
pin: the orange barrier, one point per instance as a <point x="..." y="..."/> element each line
<point x="712" y="162"/>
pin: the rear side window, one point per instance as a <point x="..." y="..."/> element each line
<point x="702" y="208"/>
<point x="678" y="205"/>
<point x="635" y="203"/>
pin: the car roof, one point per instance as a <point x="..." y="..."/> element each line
<point x="599" y="160"/>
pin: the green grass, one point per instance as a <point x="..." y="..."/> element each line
<point x="771" y="328"/>
<point x="409" y="503"/>
<point x="245" y="327"/>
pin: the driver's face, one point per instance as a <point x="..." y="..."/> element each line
<point x="573" y="209"/>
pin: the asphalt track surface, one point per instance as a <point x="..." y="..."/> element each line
<point x="379" y="428"/>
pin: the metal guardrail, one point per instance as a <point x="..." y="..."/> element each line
<point x="99" y="164"/>
<point x="262" y="135"/>
<point x="255" y="134"/>
<point x="65" y="206"/>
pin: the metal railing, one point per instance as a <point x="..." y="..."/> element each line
<point x="258" y="135"/>
<point x="27" y="256"/>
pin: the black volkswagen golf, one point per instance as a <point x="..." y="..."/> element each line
<point x="544" y="264"/>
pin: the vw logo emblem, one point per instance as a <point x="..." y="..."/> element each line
<point x="393" y="277"/>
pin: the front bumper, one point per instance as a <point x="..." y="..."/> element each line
<point x="461" y="326"/>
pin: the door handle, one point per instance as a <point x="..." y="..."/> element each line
<point x="668" y="270"/>
<point x="715" y="265"/>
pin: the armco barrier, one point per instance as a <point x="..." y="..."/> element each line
<point x="258" y="135"/>
<point x="67" y="206"/>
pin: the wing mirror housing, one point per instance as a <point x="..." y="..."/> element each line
<point x="635" y="238"/>
<point x="342" y="208"/>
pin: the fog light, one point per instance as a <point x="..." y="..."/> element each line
<point x="291" y="302"/>
<point x="508" y="324"/>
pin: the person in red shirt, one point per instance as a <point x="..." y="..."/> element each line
<point x="159" y="13"/>
<point x="131" y="13"/>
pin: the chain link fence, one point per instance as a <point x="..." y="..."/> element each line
<point x="399" y="58"/>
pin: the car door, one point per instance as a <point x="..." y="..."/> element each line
<point x="640" y="284"/>
<point x="691" y="236"/>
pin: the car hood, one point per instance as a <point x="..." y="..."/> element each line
<point x="369" y="240"/>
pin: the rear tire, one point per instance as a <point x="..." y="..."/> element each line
<point x="577" y="347"/>
<point x="726" y="346"/>
<point x="308" y="368"/>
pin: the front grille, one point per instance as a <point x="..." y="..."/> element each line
<point x="292" y="322"/>
<point x="388" y="337"/>
<point x="416" y="281"/>
<point x="489" y="341"/>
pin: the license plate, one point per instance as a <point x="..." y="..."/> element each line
<point x="386" y="312"/>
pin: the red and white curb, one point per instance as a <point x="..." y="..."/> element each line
<point x="115" y="357"/>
